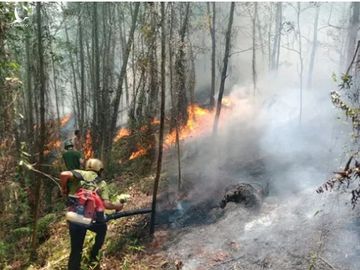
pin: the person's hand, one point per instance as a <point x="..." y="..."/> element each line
<point x="64" y="191"/>
<point x="119" y="207"/>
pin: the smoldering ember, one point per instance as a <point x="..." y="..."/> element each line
<point x="179" y="135"/>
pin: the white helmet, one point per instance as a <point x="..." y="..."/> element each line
<point x="94" y="164"/>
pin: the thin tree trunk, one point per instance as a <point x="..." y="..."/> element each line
<point x="30" y="133"/>
<point x="171" y="66"/>
<point x="122" y="75"/>
<point x="73" y="73"/>
<point x="260" y="33"/>
<point x="192" y="76"/>
<point x="213" y="52"/>
<point x="353" y="31"/>
<point x="254" y="48"/>
<point x="38" y="184"/>
<point x="97" y="96"/>
<point x="153" y="87"/>
<point x="56" y="93"/>
<point x="82" y="75"/>
<point x="224" y="70"/>
<point x="269" y="37"/>
<point x="314" y="46"/>
<point x="301" y="60"/>
<point x="182" y="101"/>
<point x="277" y="39"/>
<point x="123" y="50"/>
<point x="162" y="119"/>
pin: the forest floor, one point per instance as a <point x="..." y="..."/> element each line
<point x="299" y="230"/>
<point x="290" y="232"/>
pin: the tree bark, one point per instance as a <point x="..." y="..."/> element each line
<point x="275" y="56"/>
<point x="224" y="69"/>
<point x="352" y="31"/>
<point x="73" y="74"/>
<point x="162" y="119"/>
<point x="254" y="48"/>
<point x="116" y="102"/>
<point x="30" y="128"/>
<point x="213" y="52"/>
<point x="182" y="102"/>
<point x="82" y="75"/>
<point x="314" y="46"/>
<point x="300" y="60"/>
<point x="38" y="184"/>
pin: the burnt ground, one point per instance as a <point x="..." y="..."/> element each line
<point x="296" y="230"/>
<point x="291" y="233"/>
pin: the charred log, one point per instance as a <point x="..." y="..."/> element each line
<point x="251" y="195"/>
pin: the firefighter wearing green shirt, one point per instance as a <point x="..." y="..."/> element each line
<point x="71" y="157"/>
<point x="70" y="183"/>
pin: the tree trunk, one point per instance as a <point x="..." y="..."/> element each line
<point x="73" y="74"/>
<point x="123" y="51"/>
<point x="82" y="75"/>
<point x="30" y="128"/>
<point x="213" y="53"/>
<point x="182" y="101"/>
<point x="225" y="66"/>
<point x="37" y="194"/>
<point x="171" y="66"/>
<point x="116" y="102"/>
<point x="96" y="91"/>
<point x="153" y="87"/>
<point x="275" y="56"/>
<point x="162" y="119"/>
<point x="301" y="61"/>
<point x="352" y="31"/>
<point x="314" y="46"/>
<point x="192" y="75"/>
<point x="254" y="48"/>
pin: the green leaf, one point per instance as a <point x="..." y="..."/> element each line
<point x="333" y="77"/>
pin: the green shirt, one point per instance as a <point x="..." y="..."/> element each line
<point x="72" y="159"/>
<point x="88" y="181"/>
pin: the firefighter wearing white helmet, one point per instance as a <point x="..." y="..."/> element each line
<point x="94" y="165"/>
<point x="71" y="183"/>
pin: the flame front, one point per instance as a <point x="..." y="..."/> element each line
<point x="123" y="132"/>
<point x="199" y="122"/>
<point x="138" y="153"/>
<point x="88" y="150"/>
<point x="65" y="119"/>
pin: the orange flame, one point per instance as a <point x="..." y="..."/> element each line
<point x="88" y="151"/>
<point x="65" y="119"/>
<point x="155" y="121"/>
<point x="199" y="122"/>
<point x="138" y="153"/>
<point x="123" y="132"/>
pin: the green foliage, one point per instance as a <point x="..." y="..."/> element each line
<point x="346" y="81"/>
<point x="44" y="224"/>
<point x="4" y="250"/>
<point x="19" y="233"/>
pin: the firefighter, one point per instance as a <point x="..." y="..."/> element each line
<point x="71" y="181"/>
<point x="77" y="141"/>
<point x="71" y="157"/>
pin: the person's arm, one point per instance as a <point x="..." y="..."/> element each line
<point x="113" y="206"/>
<point x="64" y="178"/>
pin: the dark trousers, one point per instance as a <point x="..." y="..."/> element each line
<point x="77" y="237"/>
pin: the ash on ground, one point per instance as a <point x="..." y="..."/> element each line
<point x="292" y="233"/>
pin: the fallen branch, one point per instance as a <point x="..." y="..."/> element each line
<point x="31" y="168"/>
<point x="327" y="263"/>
